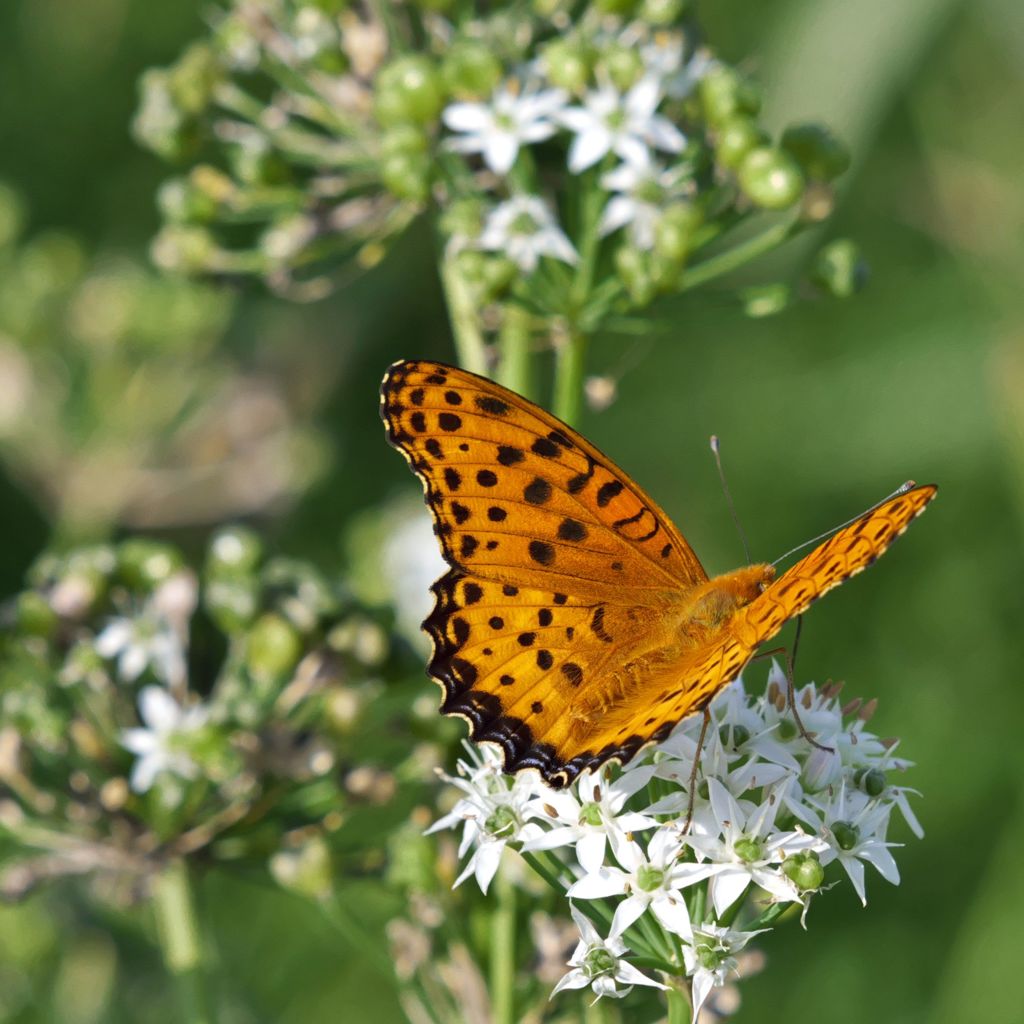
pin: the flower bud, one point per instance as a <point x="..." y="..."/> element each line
<point x="820" y="154"/>
<point x="765" y="299"/>
<point x="470" y="69"/>
<point x="665" y="272"/>
<point x="183" y="250"/>
<point x="770" y="178"/>
<point x="408" y="91"/>
<point x="143" y="564"/>
<point x="662" y="12"/>
<point x="231" y="603"/>
<point x="567" y="64"/>
<point x="624" y="66"/>
<point x="839" y="269"/>
<point x="274" y="647"/>
<point x="235" y="551"/>
<point x="749" y="849"/>
<point x="407" y="176"/>
<point x="804" y="870"/>
<point x="633" y="269"/>
<point x="674" y="231"/>
<point x="736" y="138"/>
<point x="821" y="769"/>
<point x="306" y="870"/>
<point x="724" y="93"/>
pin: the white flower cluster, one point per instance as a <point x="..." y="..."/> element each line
<point x="770" y="812"/>
<point x="526" y="109"/>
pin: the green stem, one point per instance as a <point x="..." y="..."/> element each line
<point x="514" y="342"/>
<point x="503" y="952"/>
<point x="678" y="1006"/>
<point x="769" y="917"/>
<point x="731" y="259"/>
<point x="655" y="963"/>
<point x="178" y="935"/>
<point x="570" y="359"/>
<point x="367" y="946"/>
<point x="469" y="339"/>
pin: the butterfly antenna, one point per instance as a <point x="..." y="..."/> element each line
<point x="902" y="489"/>
<point x="715" y="448"/>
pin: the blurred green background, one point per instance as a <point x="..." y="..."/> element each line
<point x="822" y="410"/>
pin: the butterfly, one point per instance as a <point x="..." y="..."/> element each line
<point x="575" y="624"/>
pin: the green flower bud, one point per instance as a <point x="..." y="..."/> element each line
<point x="847" y="834"/>
<point x="724" y="93"/>
<point x="497" y="273"/>
<point x="407" y="176"/>
<point x="463" y="217"/>
<point x="804" y="870"/>
<point x="184" y="249"/>
<point x="632" y="266"/>
<point x="665" y="271"/>
<point x="235" y="551"/>
<point x="624" y="66"/>
<point x="839" y="269"/>
<point x="144" y="564"/>
<point x="674" y="231"/>
<point x="765" y="299"/>
<point x="33" y="614"/>
<point x="567" y="63"/>
<point x="470" y="69"/>
<point x="599" y="961"/>
<point x="871" y="780"/>
<point x="820" y="154"/>
<point x="408" y="91"/>
<point x="306" y="871"/>
<point x="770" y="178"/>
<point x="193" y="78"/>
<point x="749" y="849"/>
<point x="736" y="138"/>
<point x="274" y="647"/>
<point x="662" y="12"/>
<point x="231" y="603"/>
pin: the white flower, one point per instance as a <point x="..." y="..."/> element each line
<point x="162" y="745"/>
<point x="498" y="129"/>
<point x="523" y="229"/>
<point x="588" y="812"/>
<point x="747" y="850"/>
<point x="492" y="813"/>
<point x="144" y="641"/>
<point x="853" y="828"/>
<point x="710" y="958"/>
<point x="648" y="881"/>
<point x="598" y="962"/>
<point x="643" y="191"/>
<point x="623" y="124"/>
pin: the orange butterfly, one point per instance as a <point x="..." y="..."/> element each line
<point x="576" y="624"/>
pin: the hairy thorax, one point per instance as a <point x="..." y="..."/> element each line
<point x="684" y="626"/>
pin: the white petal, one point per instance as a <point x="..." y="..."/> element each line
<point x="727" y="887"/>
<point x="701" y="985"/>
<point x="629" y="975"/>
<point x="670" y="910"/>
<point x="115" y="636"/>
<point x="631" y="149"/>
<point x="618" y="212"/>
<point x="553" y="839"/>
<point x="855" y="870"/>
<point x="663" y="134"/>
<point x="628" y="911"/>
<point x="606" y="882"/>
<point x="883" y="861"/>
<point x="576" y="119"/>
<point x="467" y="117"/>
<point x="588" y="147"/>
<point x="487" y="857"/>
<point x="145" y="771"/>
<point x="588" y="933"/>
<point x="574" y="979"/>
<point x="501" y="151"/>
<point x="139" y="741"/>
<point x="643" y="98"/>
<point x="132" y="662"/>
<point x="158" y="709"/>
<point x="590" y="852"/>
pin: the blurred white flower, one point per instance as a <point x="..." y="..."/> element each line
<point x="524" y="230"/>
<point x="642" y="192"/>
<point x="709" y="959"/>
<point x="492" y="813"/>
<point x="146" y="640"/>
<point x="162" y="745"/>
<point x="498" y="129"/>
<point x="624" y="124"/>
<point x="598" y="963"/>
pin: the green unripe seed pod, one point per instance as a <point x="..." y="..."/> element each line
<point x="274" y="646"/>
<point x="872" y="781"/>
<point x="804" y="870"/>
<point x="633" y="269"/>
<point x="145" y="564"/>
<point x="770" y="178"/>
<point x="470" y="69"/>
<point x="624" y="66"/>
<point x="839" y="268"/>
<point x="235" y="551"/>
<point x="847" y="834"/>
<point x="820" y="154"/>
<point x="567" y="64"/>
<point x="662" y="12"/>
<point x="674" y="231"/>
<point x="408" y="91"/>
<point x="765" y="299"/>
<point x="736" y="138"/>
<point x="404" y="140"/>
<point x="407" y="176"/>
<point x="725" y="93"/>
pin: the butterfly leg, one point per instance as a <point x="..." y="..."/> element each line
<point x="791" y="690"/>
<point x="693" y="771"/>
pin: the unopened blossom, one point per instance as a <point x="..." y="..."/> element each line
<point x="626" y="124"/>
<point x="498" y="129"/>
<point x="523" y="229"/>
<point x="162" y="743"/>
<point x="598" y="963"/>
